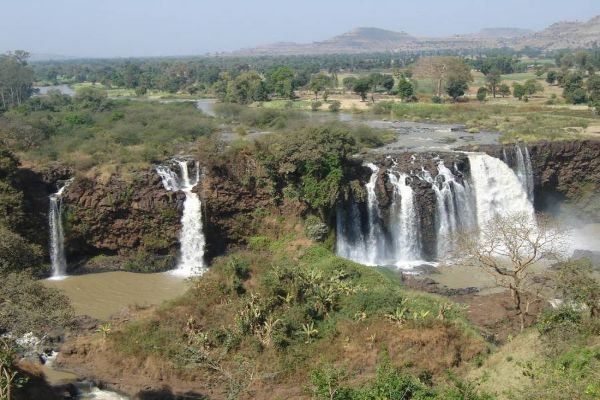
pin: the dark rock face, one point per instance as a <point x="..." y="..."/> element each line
<point x="235" y="193"/>
<point x="566" y="175"/>
<point x="117" y="216"/>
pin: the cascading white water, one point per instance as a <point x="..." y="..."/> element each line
<point x="191" y="238"/>
<point x="454" y="206"/>
<point x="524" y="170"/>
<point x="57" y="235"/>
<point x="405" y="227"/>
<point x="498" y="190"/>
<point x="375" y="246"/>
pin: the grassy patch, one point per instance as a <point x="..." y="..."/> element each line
<point x="290" y="304"/>
<point x="520" y="122"/>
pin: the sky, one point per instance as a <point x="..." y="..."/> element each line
<point x="134" y="28"/>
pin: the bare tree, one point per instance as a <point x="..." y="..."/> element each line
<point x="509" y="247"/>
<point x="439" y="69"/>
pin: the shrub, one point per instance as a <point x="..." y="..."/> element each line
<point x="29" y="306"/>
<point x="482" y="93"/>
<point x="315" y="229"/>
<point x="436" y="100"/>
<point x="17" y="254"/>
<point x="315" y="105"/>
<point x="335" y="106"/>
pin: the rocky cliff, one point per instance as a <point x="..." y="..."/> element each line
<point x="135" y="219"/>
<point x="138" y="221"/>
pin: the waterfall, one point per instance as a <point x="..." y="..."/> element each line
<point x="57" y="235"/>
<point x="375" y="246"/>
<point x="454" y="206"/>
<point x="191" y="238"/>
<point x="498" y="190"/>
<point x="405" y="226"/>
<point x="524" y="170"/>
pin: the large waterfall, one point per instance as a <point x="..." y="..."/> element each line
<point x="463" y="201"/>
<point x="498" y="190"/>
<point x="57" y="235"/>
<point x="191" y="238"/>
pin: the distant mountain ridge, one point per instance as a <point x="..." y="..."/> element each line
<point x="371" y="40"/>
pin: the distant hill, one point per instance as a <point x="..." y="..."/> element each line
<point x="372" y="40"/>
<point x="499" y="33"/>
<point x="566" y="34"/>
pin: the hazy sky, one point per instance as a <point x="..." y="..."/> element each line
<point x="187" y="27"/>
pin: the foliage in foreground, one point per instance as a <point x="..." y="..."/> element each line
<point x="283" y="307"/>
<point x="26" y="305"/>
<point x="391" y="383"/>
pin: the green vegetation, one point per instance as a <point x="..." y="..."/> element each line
<point x="330" y="383"/>
<point x="526" y="122"/>
<point x="28" y="306"/>
<point x="279" y="306"/>
<point x="92" y="131"/>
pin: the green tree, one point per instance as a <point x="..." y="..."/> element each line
<point x="504" y="90"/>
<point x="406" y="90"/>
<point x="387" y="82"/>
<point x="456" y="87"/>
<point x="519" y="91"/>
<point x="319" y="83"/>
<point x="90" y="97"/>
<point x="362" y="87"/>
<point x="551" y="77"/>
<point x="493" y="80"/>
<point x="282" y="82"/>
<point x="593" y="88"/>
<point x="246" y="88"/>
<point x="532" y="87"/>
<point x="573" y="90"/>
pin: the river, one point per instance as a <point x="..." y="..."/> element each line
<point x="104" y="294"/>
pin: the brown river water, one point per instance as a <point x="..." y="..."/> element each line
<point x="104" y="294"/>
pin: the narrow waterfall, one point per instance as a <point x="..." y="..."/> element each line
<point x="57" y="235"/>
<point x="191" y="238"/>
<point x="375" y="246"/>
<point x="524" y="170"/>
<point x="498" y="190"/>
<point x="404" y="226"/>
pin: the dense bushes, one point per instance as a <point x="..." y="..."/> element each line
<point x="88" y="132"/>
<point x="390" y="383"/>
<point x="28" y="306"/>
<point x="315" y="161"/>
<point x="17" y="254"/>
